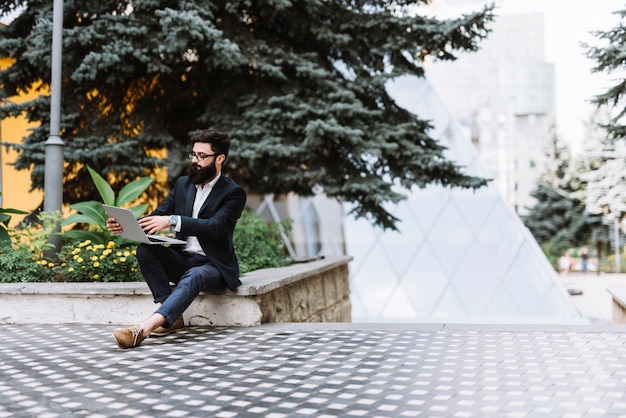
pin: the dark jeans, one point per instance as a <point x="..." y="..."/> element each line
<point x="191" y="273"/>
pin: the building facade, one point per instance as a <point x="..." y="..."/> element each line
<point x="15" y="185"/>
<point x="503" y="96"/>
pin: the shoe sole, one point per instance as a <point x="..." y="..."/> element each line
<point x="163" y="334"/>
<point x="118" y="343"/>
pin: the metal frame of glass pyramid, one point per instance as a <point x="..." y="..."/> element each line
<point x="461" y="256"/>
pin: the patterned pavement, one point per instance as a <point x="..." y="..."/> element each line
<point x="316" y="370"/>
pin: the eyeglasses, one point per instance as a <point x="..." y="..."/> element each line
<point x="200" y="157"/>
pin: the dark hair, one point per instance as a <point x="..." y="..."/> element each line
<point x="220" y="141"/>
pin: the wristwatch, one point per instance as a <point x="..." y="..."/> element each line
<point x="173" y="221"/>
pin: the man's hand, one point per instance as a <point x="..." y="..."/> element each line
<point x="153" y="224"/>
<point x="113" y="226"/>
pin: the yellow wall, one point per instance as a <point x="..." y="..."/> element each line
<point x="16" y="184"/>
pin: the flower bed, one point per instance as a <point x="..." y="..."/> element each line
<point x="316" y="291"/>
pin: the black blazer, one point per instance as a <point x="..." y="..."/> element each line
<point x="215" y="223"/>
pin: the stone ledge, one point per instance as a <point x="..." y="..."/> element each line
<point x="314" y="291"/>
<point x="618" y="295"/>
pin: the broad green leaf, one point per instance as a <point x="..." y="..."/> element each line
<point x="132" y="190"/>
<point x="15" y="211"/>
<point x="106" y="192"/>
<point x="91" y="210"/>
<point x="4" y="237"/>
<point x="80" y="218"/>
<point x="4" y="218"/>
<point x="77" y="235"/>
<point x="139" y="210"/>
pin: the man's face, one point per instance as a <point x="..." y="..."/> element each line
<point x="203" y="164"/>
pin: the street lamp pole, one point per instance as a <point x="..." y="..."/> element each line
<point x="618" y="250"/>
<point x="53" y="174"/>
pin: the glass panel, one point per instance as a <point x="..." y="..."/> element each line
<point x="501" y="308"/>
<point x="504" y="236"/>
<point x="450" y="239"/>
<point x="402" y="246"/>
<point x="450" y="307"/>
<point x="425" y="282"/>
<point x="399" y="307"/>
<point x="374" y="281"/>
<point x="475" y="281"/>
<point x="475" y="207"/>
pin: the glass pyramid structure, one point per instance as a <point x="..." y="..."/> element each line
<point x="460" y="256"/>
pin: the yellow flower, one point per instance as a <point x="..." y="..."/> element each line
<point x="50" y="265"/>
<point x="110" y="244"/>
<point x="96" y="264"/>
<point x="126" y="254"/>
<point x="123" y="259"/>
<point x="71" y="269"/>
<point x="79" y="259"/>
<point x="76" y="251"/>
<point x="106" y="252"/>
<point x="96" y="276"/>
<point x="84" y="243"/>
<point x="119" y="253"/>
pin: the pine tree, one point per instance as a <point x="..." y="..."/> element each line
<point x="300" y="86"/>
<point x="605" y="178"/>
<point x="558" y="220"/>
<point x="609" y="58"/>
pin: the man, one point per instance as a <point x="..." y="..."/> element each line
<point x="202" y="209"/>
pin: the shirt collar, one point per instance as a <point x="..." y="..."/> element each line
<point x="210" y="184"/>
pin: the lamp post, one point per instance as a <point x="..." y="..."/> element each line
<point x="617" y="249"/>
<point x="53" y="174"/>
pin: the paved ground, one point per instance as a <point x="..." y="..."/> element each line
<point x="317" y="370"/>
<point x="324" y="370"/>
<point x="595" y="301"/>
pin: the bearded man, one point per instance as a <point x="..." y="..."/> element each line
<point x="202" y="208"/>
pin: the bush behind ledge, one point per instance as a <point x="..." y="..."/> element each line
<point x="258" y="245"/>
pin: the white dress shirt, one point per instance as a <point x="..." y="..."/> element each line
<point x="202" y="192"/>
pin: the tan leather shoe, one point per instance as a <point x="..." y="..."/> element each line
<point x="162" y="331"/>
<point x="129" y="337"/>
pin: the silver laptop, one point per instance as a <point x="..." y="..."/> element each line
<point x="132" y="230"/>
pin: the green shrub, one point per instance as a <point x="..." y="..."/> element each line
<point x="5" y="217"/>
<point x="259" y="244"/>
<point x="85" y="261"/>
<point x="21" y="255"/>
<point x="20" y="267"/>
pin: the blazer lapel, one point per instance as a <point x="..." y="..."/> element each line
<point x="191" y="196"/>
<point x="216" y="191"/>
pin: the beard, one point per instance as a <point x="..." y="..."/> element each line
<point x="200" y="175"/>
